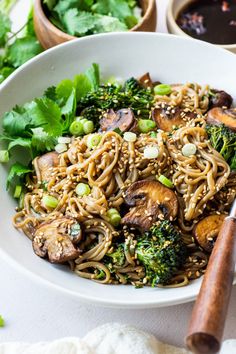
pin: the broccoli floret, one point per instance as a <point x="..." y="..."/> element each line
<point x="131" y="95"/>
<point x="223" y="140"/>
<point x="117" y="257"/>
<point x="162" y="252"/>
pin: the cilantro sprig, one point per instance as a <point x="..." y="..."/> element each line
<point x="80" y="18"/>
<point x="35" y="126"/>
<point x="15" y="48"/>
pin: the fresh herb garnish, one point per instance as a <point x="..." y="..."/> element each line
<point x="16" y="48"/>
<point x="81" y="18"/>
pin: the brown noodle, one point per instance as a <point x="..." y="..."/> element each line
<point x="110" y="168"/>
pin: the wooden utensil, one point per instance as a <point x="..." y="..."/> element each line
<point x="208" y="317"/>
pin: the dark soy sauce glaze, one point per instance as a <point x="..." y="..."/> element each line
<point x="212" y="21"/>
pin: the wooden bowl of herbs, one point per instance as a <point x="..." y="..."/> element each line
<point x="58" y="21"/>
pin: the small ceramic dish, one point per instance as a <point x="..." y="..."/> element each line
<point x="174" y="8"/>
<point x="50" y="36"/>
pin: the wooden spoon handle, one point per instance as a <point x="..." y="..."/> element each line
<point x="208" y="317"/>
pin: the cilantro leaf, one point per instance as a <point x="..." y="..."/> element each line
<point x="17" y="170"/>
<point x="66" y="98"/>
<point x="117" y="8"/>
<point x="50" y="92"/>
<point x="16" y="122"/>
<point x="83" y="85"/>
<point x="109" y="24"/>
<point x="5" y="72"/>
<point x="29" y="30"/>
<point x="5" y="27"/>
<point x="64" y="5"/>
<point x="24" y="142"/>
<point x="47" y="114"/>
<point x="78" y="23"/>
<point x="22" y="50"/>
<point x="41" y="141"/>
<point x="93" y="75"/>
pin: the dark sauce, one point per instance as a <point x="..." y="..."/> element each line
<point x="212" y="21"/>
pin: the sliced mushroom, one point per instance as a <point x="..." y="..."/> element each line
<point x="148" y="200"/>
<point x="220" y="98"/>
<point x="146" y="81"/>
<point x="206" y="231"/>
<point x="57" y="240"/>
<point x="43" y="165"/>
<point x="122" y="119"/>
<point x="168" y="117"/>
<point x="217" y="116"/>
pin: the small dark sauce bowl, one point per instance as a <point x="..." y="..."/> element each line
<point x="174" y="8"/>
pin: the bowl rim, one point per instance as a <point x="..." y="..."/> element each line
<point x="38" y="11"/>
<point x="45" y="282"/>
<point x="171" y="19"/>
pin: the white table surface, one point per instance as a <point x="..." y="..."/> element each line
<point x="34" y="312"/>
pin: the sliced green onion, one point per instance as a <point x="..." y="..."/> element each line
<point x="111" y="212"/>
<point x="165" y="181"/>
<point x="82" y="189"/>
<point x="76" y="128"/>
<point x="21" y="201"/>
<point x="78" y="119"/>
<point x="17" y="192"/>
<point x="93" y="140"/>
<point x="83" y="120"/>
<point x="64" y="140"/>
<point x="50" y="201"/>
<point x="130" y="137"/>
<point x="4" y="156"/>
<point x="189" y="149"/>
<point x="153" y="134"/>
<point x="115" y="219"/>
<point x="2" y="322"/>
<point x="162" y="89"/>
<point x="114" y="216"/>
<point x="146" y="125"/>
<point x="59" y="148"/>
<point x="88" y="127"/>
<point x="151" y="152"/>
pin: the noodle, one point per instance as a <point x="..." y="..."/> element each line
<point x="203" y="183"/>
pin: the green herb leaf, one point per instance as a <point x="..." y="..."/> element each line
<point x="108" y="24"/>
<point x="16" y="122"/>
<point x="5" y="27"/>
<point x="47" y="114"/>
<point x="41" y="141"/>
<point x="78" y="23"/>
<point x="22" y="50"/>
<point x="51" y="93"/>
<point x="24" y="142"/>
<point x="5" y="72"/>
<point x="64" y="5"/>
<point x="93" y="75"/>
<point x="83" y="85"/>
<point x="117" y="8"/>
<point x="17" y="170"/>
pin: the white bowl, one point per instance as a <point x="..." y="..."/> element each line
<point x="169" y="59"/>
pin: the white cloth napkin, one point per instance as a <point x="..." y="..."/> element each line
<point x="111" y="338"/>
